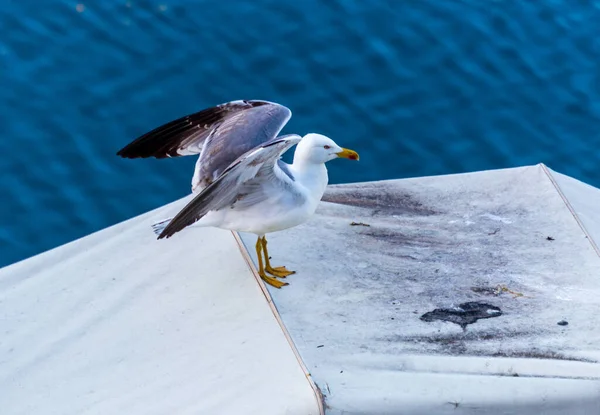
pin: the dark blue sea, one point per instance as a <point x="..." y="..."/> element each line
<point x="418" y="87"/>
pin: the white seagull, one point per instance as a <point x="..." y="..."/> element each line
<point x="239" y="180"/>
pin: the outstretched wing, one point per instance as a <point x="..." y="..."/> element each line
<point x="219" y="134"/>
<point x="242" y="178"/>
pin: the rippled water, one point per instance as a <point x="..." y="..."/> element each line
<point x="417" y="87"/>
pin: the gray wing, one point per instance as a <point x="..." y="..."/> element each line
<point x="219" y="134"/>
<point x="242" y="180"/>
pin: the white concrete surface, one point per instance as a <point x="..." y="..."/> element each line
<point x="120" y="323"/>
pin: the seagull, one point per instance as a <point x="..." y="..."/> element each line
<point x="240" y="182"/>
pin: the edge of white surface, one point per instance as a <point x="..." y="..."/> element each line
<point x="581" y="207"/>
<point x="419" y="393"/>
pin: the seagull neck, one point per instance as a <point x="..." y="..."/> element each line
<point x="312" y="176"/>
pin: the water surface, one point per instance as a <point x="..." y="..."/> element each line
<point x="417" y="87"/>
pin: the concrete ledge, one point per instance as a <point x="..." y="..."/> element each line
<point x="420" y="296"/>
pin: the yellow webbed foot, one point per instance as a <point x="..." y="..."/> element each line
<point x="280" y="272"/>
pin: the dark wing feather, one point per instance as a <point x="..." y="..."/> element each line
<point x="257" y="121"/>
<point x="226" y="188"/>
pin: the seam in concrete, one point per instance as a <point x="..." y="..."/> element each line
<point x="261" y="284"/>
<point x="570" y="207"/>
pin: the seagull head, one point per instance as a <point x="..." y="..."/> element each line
<point x="317" y="148"/>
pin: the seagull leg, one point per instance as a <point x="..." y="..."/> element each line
<point x="261" y="271"/>
<point x="280" y="272"/>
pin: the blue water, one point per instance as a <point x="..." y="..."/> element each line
<point x="417" y="87"/>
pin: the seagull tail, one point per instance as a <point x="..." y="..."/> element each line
<point x="158" y="227"/>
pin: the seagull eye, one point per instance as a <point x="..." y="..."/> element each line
<point x="326" y="147"/>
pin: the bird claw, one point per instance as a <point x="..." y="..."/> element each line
<point x="272" y="281"/>
<point x="280" y="272"/>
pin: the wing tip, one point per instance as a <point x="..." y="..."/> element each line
<point x="140" y="152"/>
<point x="167" y="233"/>
<point x="124" y="154"/>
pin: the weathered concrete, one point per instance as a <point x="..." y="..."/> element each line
<point x="378" y="256"/>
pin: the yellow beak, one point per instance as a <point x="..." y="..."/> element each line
<point x="348" y="154"/>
